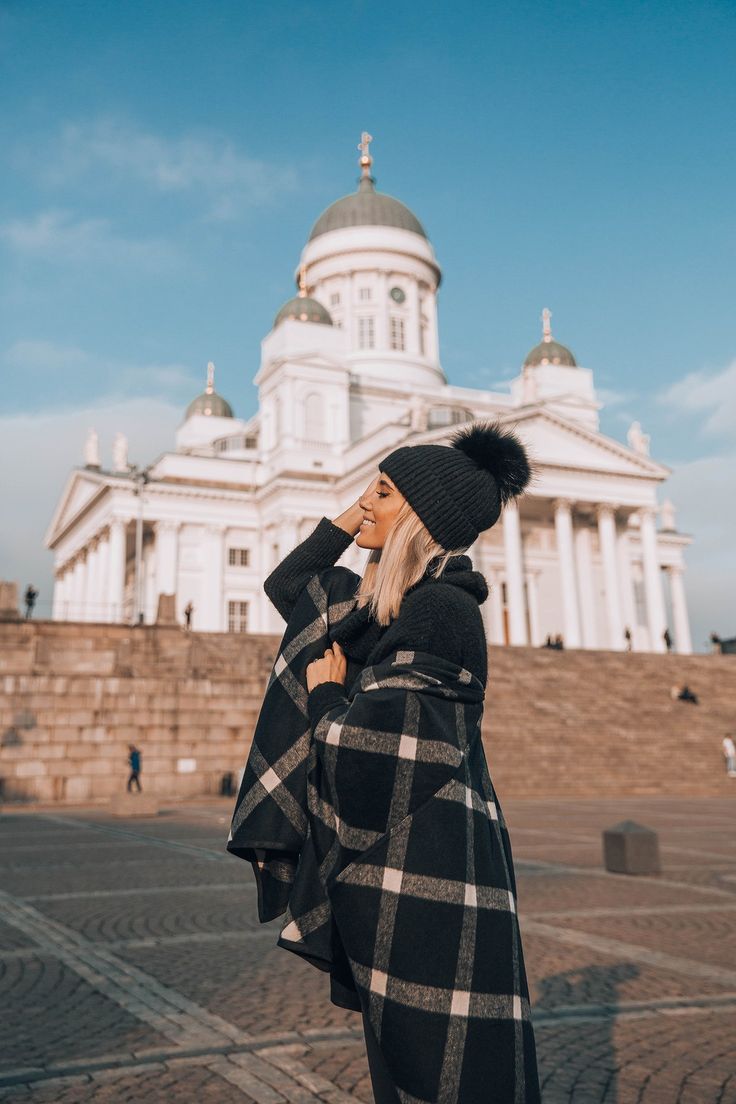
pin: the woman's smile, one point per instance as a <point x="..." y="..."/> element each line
<point x="380" y="504"/>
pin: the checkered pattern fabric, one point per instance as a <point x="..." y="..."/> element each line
<point x="381" y="822"/>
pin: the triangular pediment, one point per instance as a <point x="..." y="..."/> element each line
<point x="554" y="440"/>
<point x="80" y="490"/>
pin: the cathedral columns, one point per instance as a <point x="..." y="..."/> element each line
<point x="213" y="614"/>
<point x="563" y="531"/>
<point x="78" y="589"/>
<point x="683" y="642"/>
<point x="92" y="610"/>
<point x="607" y="540"/>
<point x="652" y="581"/>
<point x="586" y="588"/>
<point x="167" y="554"/>
<point x="116" y="577"/>
<point x="493" y="607"/>
<point x="269" y="559"/>
<point x="514" y="579"/>
<point x="103" y="599"/>
<point x="57" y="610"/>
<point x="533" y="607"/>
<point x="626" y="584"/>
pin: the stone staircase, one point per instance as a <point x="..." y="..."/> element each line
<point x="588" y="723"/>
<point x="572" y="723"/>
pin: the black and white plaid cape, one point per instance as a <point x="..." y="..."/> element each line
<point x="383" y="822"/>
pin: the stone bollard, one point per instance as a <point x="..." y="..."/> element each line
<point x="166" y="612"/>
<point x="630" y="848"/>
<point x="9" y="602"/>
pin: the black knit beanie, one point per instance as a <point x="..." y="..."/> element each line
<point x="458" y="490"/>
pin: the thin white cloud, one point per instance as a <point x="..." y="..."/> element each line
<point x="61" y="236"/>
<point x="609" y="396"/>
<point x="710" y="393"/>
<point x="208" y="166"/>
<point x="118" y="380"/>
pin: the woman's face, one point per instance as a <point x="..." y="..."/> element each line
<point x="380" y="503"/>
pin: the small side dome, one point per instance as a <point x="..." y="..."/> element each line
<point x="549" y="351"/>
<point x="209" y="402"/>
<point x="303" y="308"/>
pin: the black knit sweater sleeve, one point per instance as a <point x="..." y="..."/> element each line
<point x="324" y="545"/>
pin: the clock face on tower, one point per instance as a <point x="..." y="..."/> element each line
<point x="397" y="295"/>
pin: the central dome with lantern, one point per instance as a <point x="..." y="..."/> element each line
<point x="368" y="269"/>
<point x="367" y="207"/>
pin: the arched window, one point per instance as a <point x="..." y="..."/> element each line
<point x="314" y="424"/>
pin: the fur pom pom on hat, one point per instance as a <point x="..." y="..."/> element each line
<point x="460" y="489"/>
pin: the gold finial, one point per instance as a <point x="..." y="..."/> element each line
<point x="365" y="160"/>
<point x="303" y="281"/>
<point x="210" y="378"/>
<point x="546" y="328"/>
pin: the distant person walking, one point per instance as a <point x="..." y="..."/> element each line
<point x="30" y="597"/>
<point x="627" y="638"/>
<point x="188" y="611"/>
<point x="134" y="758"/>
<point x="715" y="642"/>
<point x="667" y="640"/>
<point x="729" y="754"/>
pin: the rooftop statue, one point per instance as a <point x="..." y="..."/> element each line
<point x="92" y="450"/>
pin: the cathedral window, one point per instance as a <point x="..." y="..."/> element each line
<point x="238" y="557"/>
<point x="364" y="294"/>
<point x="237" y="617"/>
<point x="366" y="333"/>
<point x="335" y="299"/>
<point x="397" y="333"/>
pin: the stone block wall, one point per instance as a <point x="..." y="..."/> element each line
<point x="556" y="723"/>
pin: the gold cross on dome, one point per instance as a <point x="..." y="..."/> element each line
<point x="365" y="160"/>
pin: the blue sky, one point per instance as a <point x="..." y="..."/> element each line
<point x="163" y="163"/>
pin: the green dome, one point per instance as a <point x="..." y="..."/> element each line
<point x="303" y="309"/>
<point x="550" y="352"/>
<point x="210" y="404"/>
<point x="366" y="207"/>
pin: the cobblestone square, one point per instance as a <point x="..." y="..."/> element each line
<point x="133" y="967"/>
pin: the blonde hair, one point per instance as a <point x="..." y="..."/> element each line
<point x="403" y="560"/>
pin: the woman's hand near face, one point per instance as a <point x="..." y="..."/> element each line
<point x="332" y="667"/>
<point x="350" y="519"/>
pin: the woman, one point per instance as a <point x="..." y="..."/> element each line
<point x="366" y="807"/>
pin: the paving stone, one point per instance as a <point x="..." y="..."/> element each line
<point x="168" y="924"/>
<point x="51" y="1014"/>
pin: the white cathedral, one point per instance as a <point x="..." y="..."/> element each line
<point x="350" y="370"/>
